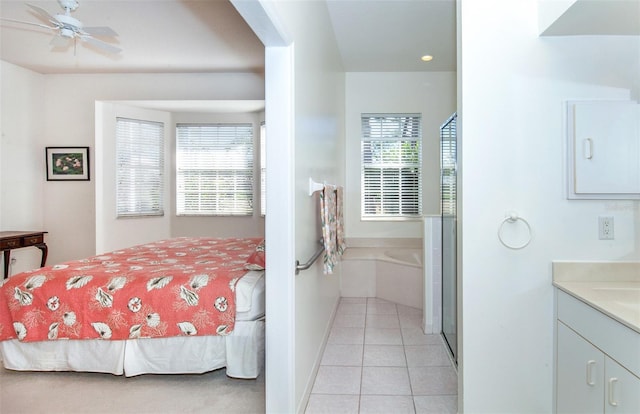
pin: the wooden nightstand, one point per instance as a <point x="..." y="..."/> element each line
<point x="10" y="240"/>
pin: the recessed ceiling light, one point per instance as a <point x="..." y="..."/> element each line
<point x="426" y="58"/>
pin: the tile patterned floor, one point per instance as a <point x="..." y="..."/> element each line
<point x="378" y="360"/>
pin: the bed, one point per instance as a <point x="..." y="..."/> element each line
<point x="175" y="306"/>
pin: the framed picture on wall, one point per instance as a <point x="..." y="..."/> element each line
<point x="67" y="163"/>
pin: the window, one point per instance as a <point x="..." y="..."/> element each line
<point x="391" y="165"/>
<point x="139" y="168"/>
<point x="448" y="153"/>
<point x="214" y="169"/>
<point x="263" y="169"/>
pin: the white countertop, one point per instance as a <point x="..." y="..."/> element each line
<point x="611" y="287"/>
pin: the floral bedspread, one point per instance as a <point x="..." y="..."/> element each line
<point x="182" y="286"/>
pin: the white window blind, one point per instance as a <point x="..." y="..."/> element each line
<point x="448" y="173"/>
<point x="391" y="165"/>
<point x="214" y="169"/>
<point x="263" y="169"/>
<point x="139" y="168"/>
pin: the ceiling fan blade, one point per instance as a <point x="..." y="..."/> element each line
<point x="100" y="44"/>
<point x="29" y="23"/>
<point x="42" y="13"/>
<point x="100" y="31"/>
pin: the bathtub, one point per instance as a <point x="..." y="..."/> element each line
<point x="403" y="256"/>
<point x="391" y="273"/>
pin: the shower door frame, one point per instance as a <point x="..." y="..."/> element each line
<point x="448" y="211"/>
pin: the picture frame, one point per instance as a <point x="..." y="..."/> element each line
<point x="67" y="163"/>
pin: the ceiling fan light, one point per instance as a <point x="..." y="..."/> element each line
<point x="68" y="33"/>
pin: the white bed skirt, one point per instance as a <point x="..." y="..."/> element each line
<point x="242" y="353"/>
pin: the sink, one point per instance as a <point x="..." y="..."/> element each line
<point x="620" y="294"/>
<point x="610" y="287"/>
<point x="627" y="297"/>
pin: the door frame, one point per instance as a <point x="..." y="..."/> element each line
<point x="279" y="220"/>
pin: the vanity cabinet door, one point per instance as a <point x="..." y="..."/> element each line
<point x="580" y="374"/>
<point x="622" y="389"/>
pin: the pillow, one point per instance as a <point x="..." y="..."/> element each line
<point x="257" y="259"/>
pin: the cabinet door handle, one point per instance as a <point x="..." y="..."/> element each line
<point x="588" y="148"/>
<point x="590" y="365"/>
<point x="612" y="398"/>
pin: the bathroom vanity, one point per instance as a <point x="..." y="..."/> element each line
<point x="597" y="365"/>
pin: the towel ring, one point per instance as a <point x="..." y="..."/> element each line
<point x="512" y="218"/>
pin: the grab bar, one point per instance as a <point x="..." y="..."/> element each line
<point x="311" y="261"/>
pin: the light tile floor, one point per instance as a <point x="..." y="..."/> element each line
<point x="378" y="360"/>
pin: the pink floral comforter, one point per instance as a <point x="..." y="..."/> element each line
<point x="182" y="286"/>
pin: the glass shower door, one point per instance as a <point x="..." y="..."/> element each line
<point x="448" y="199"/>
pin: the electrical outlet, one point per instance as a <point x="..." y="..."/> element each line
<point x="605" y="227"/>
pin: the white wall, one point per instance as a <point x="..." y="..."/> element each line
<point x="512" y="147"/>
<point x="69" y="102"/>
<point x="305" y="121"/>
<point x="58" y="110"/>
<point x="432" y="94"/>
<point x="114" y="233"/>
<point x="318" y="126"/>
<point x="22" y="162"/>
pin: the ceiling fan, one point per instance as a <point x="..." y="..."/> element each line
<point x="68" y="28"/>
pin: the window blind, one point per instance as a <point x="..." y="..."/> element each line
<point x="448" y="167"/>
<point x="214" y="169"/>
<point x="263" y="169"/>
<point x="391" y="165"/>
<point x="139" y="168"/>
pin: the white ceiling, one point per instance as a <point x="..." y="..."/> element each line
<point x="177" y="36"/>
<point x="160" y="36"/>
<point x="392" y="35"/>
<point x="165" y="36"/>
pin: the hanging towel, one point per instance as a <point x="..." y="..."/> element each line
<point x="328" y="213"/>
<point x="341" y="245"/>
